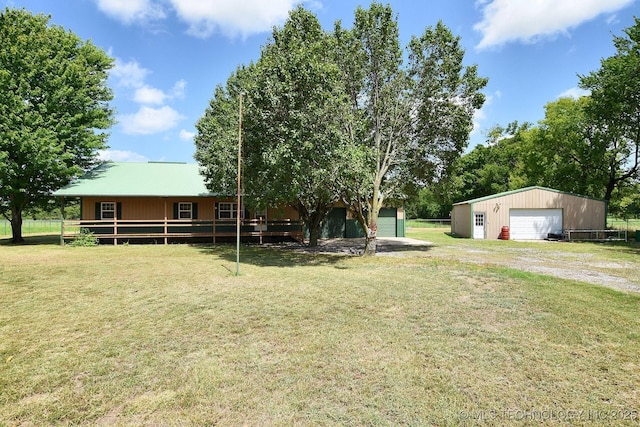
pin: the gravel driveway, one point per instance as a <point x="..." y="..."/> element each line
<point x="556" y="262"/>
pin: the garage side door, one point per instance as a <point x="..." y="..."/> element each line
<point x="534" y="224"/>
<point x="387" y="222"/>
<point x="335" y="225"/>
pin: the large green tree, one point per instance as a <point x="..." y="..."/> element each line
<point x="412" y="121"/>
<point x="294" y="148"/>
<point x="614" y="110"/>
<point x="53" y="104"/>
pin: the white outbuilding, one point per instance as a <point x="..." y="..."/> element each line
<point x="532" y="213"/>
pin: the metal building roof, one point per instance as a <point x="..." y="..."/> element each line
<point x="139" y="179"/>
<point x="506" y="193"/>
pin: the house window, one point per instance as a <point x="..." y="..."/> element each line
<point x="107" y="210"/>
<point x="228" y="211"/>
<point x="185" y="210"/>
<point x="479" y="220"/>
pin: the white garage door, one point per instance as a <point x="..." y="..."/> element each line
<point x="534" y="224"/>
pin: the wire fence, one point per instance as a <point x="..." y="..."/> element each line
<point x="31" y="226"/>
<point x="46" y="226"/>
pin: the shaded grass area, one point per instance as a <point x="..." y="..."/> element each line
<point x="166" y="335"/>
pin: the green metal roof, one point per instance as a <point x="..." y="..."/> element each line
<point x="139" y="179"/>
<point x="506" y="193"/>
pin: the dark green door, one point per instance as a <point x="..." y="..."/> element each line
<point x="387" y="222"/>
<point x="335" y="225"/>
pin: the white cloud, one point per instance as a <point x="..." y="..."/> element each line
<point x="152" y="96"/>
<point x="129" y="74"/>
<point x="130" y="11"/>
<point x="574" y="92"/>
<point x="149" y="120"/>
<point x="231" y="17"/>
<point x="205" y="17"/>
<point x="149" y="95"/>
<point x="179" y="89"/>
<point x="185" y="135"/>
<point x="121" y="156"/>
<point x="529" y="21"/>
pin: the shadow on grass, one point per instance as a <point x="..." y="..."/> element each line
<point x="32" y="240"/>
<point x="291" y="255"/>
<point x="265" y="256"/>
<point x="453" y="235"/>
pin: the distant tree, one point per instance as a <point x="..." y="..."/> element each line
<point x="561" y="152"/>
<point x="53" y="102"/>
<point x="487" y="169"/>
<point x="625" y="201"/>
<point x="427" y="203"/>
<point x="614" y="111"/>
<point x="411" y="122"/>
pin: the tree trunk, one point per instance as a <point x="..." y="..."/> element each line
<point x="16" y="226"/>
<point x="313" y="223"/>
<point x="370" y="242"/>
<point x="314" y="234"/>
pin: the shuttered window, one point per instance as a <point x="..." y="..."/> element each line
<point x="228" y="211"/>
<point x="185" y="210"/>
<point x="107" y="210"/>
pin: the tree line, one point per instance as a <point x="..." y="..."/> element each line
<point x="589" y="146"/>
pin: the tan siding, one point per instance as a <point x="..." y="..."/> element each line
<point x="153" y="208"/>
<point x="461" y="220"/>
<point x="578" y="212"/>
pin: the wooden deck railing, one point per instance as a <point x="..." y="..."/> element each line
<point x="173" y="229"/>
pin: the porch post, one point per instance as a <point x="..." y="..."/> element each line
<point x="62" y="221"/>
<point x="214" y="225"/>
<point x="166" y="228"/>
<point x="115" y="223"/>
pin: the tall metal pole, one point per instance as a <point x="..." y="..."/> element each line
<point x="239" y="173"/>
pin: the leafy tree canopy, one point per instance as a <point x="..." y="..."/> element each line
<point x="294" y="148"/>
<point x="413" y="120"/>
<point x="53" y="104"/>
<point x="339" y="116"/>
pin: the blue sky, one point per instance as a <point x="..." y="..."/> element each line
<point x="171" y="54"/>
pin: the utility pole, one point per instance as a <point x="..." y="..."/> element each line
<point x="239" y="205"/>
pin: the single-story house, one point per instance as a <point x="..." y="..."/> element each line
<point x="531" y="213"/>
<point x="169" y="201"/>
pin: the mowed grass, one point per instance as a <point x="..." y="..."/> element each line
<point x="167" y="335"/>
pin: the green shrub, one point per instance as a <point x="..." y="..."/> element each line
<point x="85" y="238"/>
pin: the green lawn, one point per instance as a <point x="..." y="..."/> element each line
<point x="167" y="335"/>
<point x="29" y="226"/>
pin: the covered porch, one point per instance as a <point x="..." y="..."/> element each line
<point x="167" y="231"/>
<point x="166" y="203"/>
